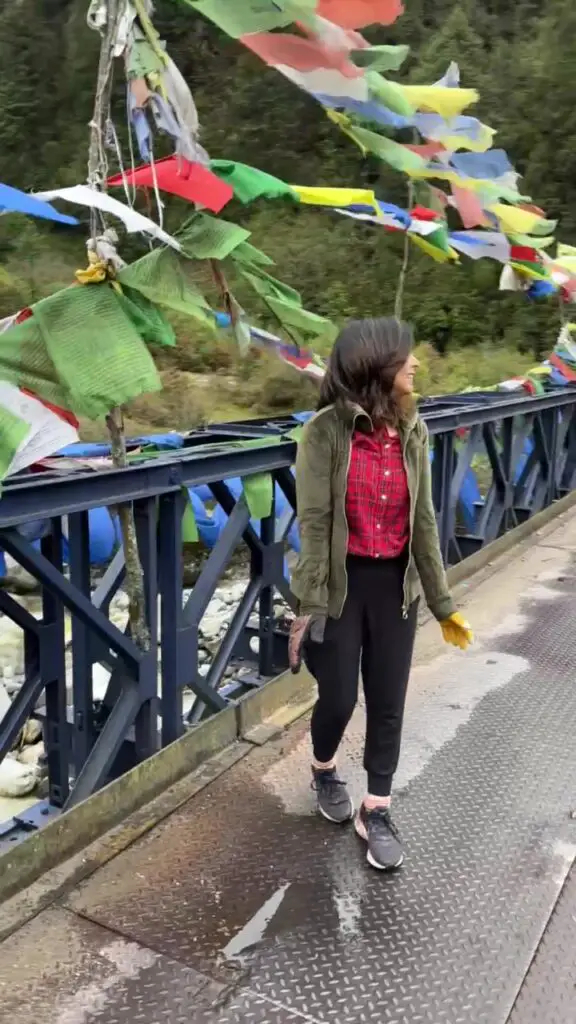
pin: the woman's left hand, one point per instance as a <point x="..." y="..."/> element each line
<point x="457" y="631"/>
<point x="304" y="627"/>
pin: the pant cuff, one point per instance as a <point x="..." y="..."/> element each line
<point x="379" y="785"/>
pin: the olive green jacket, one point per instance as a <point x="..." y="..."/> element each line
<point x="319" y="581"/>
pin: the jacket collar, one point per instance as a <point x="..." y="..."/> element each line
<point x="355" y="417"/>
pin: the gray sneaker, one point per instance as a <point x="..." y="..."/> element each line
<point x="377" y="829"/>
<point x="334" y="802"/>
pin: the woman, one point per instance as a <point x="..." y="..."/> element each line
<point x="367" y="531"/>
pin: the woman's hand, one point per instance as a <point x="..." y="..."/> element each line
<point x="457" y="631"/>
<point x="302" y="628"/>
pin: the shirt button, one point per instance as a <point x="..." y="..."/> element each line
<point x="387" y="473"/>
<point x="378" y="526"/>
<point x="386" y="446"/>
<point x="384" y="497"/>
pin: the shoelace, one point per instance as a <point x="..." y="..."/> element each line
<point x="380" y="817"/>
<point x="331" y="783"/>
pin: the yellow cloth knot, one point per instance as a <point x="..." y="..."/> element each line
<point x="457" y="631"/>
<point x="96" y="271"/>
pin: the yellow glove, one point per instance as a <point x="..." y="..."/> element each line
<point x="457" y="631"/>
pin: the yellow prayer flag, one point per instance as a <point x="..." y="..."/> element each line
<point x="323" y="196"/>
<point x="479" y="145"/>
<point x="515" y="221"/>
<point x="566" y="250"/>
<point x="439" y="99"/>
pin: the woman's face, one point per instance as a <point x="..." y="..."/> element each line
<point x="404" y="379"/>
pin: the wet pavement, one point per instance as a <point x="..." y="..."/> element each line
<point x="244" y="906"/>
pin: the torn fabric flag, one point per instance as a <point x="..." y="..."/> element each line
<point x="179" y="177"/>
<point x="133" y="221"/>
<point x="12" y="200"/>
<point x="42" y="432"/>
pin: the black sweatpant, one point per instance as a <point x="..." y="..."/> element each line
<point x="371" y="634"/>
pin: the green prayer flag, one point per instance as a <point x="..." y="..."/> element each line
<point x="210" y="238"/>
<point x="142" y="60"/>
<point x="249" y="183"/>
<point x="80" y="350"/>
<point x="161" y="278"/>
<point x="425" y="195"/>
<point x="533" y="243"/>
<point x="293" y="316"/>
<point x="248" y="254"/>
<point x="259" y="492"/>
<point x="389" y="93"/>
<point x="189" y="526"/>
<point x="439" y="238"/>
<point x="270" y="287"/>
<point x="493" y="191"/>
<point x="151" y="325"/>
<point x="240" y="17"/>
<point x="380" y="58"/>
<point x="13" y="431"/>
<point x="396" y="155"/>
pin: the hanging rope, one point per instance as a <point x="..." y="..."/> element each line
<point x="399" y="298"/>
<point x="108" y="18"/>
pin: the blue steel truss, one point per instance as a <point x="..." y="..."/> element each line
<point x="524" y="449"/>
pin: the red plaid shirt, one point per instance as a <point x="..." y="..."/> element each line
<point x="377" y="497"/>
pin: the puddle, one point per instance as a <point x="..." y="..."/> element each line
<point x="254" y="930"/>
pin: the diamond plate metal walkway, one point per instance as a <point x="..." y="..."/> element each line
<point x="243" y="906"/>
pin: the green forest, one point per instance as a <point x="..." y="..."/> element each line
<point x="520" y="58"/>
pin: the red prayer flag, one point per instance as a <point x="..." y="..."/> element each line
<point x="422" y="213"/>
<point x="428" y="149"/>
<point x="524" y="254"/>
<point x="182" y="178"/>
<point x="469" y="207"/>
<point x="300" y="54"/>
<point x="559" y="364"/>
<point x="360" y="13"/>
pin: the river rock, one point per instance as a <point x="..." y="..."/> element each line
<point x="4" y="700"/>
<point x="31" y="732"/>
<point x="17" y="779"/>
<point x="211" y="626"/>
<point x="32" y="755"/>
<point x="234" y="593"/>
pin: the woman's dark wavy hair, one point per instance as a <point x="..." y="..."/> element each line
<point x="366" y="357"/>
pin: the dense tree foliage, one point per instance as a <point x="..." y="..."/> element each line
<point x="520" y="57"/>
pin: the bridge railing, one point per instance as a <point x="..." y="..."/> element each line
<point x="495" y="461"/>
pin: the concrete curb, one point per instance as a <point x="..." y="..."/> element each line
<point x="256" y="718"/>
